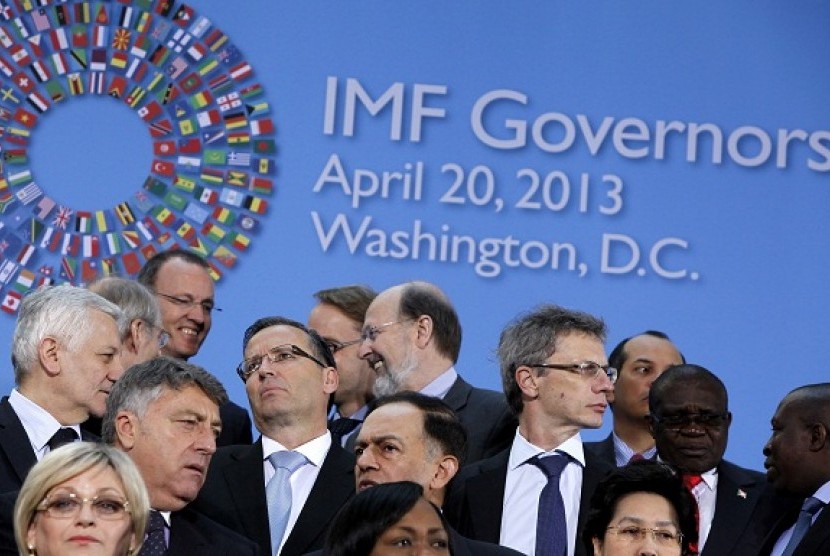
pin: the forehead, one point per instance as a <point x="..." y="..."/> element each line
<point x="401" y="419"/>
<point x="179" y="277"/>
<point x="650" y="347"/>
<point x="277" y="335"/>
<point x="329" y="321"/>
<point x="105" y="327"/>
<point x="385" y="307"/>
<point x="579" y="347"/>
<point x="189" y="398"/>
<point x="699" y="393"/>
<point x="95" y="478"/>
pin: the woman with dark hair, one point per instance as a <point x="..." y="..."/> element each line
<point x="389" y="519"/>
<point x="641" y="509"/>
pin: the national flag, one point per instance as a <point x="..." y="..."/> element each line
<point x="142" y="201"/>
<point x="220" y="83"/>
<point x="137" y="70"/>
<point x="151" y="111"/>
<point x="155" y="186"/>
<point x="159" y="55"/>
<point x="99" y="36"/>
<point x="131" y="238"/>
<point x="207" y="66"/>
<point x="206" y="195"/>
<point x="117" y="87"/>
<point x="24" y="82"/>
<point x="241" y="71"/>
<point x="265" y="146"/>
<point x="176" y="67"/>
<point x="164" y="216"/>
<point x="190" y="83"/>
<point x="187" y="127"/>
<point x="196" y="213"/>
<point x="229" y="55"/>
<point x="76" y="84"/>
<point x="80" y="38"/>
<point x="184" y="15"/>
<point x="201" y="99"/>
<point x="101" y="221"/>
<point x="98" y="59"/>
<point x="210" y="175"/>
<point x="35" y="230"/>
<point x="135" y="96"/>
<point x="41" y="20"/>
<point x="236" y="178"/>
<point x="6" y="68"/>
<point x="24" y="281"/>
<point x="44" y="207"/>
<point x="15" y="156"/>
<point x="89" y="271"/>
<point x="207" y="118"/>
<point x="58" y="39"/>
<point x="62" y="217"/>
<point x="237" y="158"/>
<point x="158" y="79"/>
<point x="164" y="148"/>
<point x="17" y="135"/>
<point x="141" y="46"/>
<point x="11" y="302"/>
<point x="113" y="244"/>
<point x="167" y="94"/>
<point x="199" y="27"/>
<point x="126" y="17"/>
<point x="101" y="16"/>
<point x="59" y="63"/>
<point x="198" y="246"/>
<point x="124" y="213"/>
<point x="149" y="251"/>
<point x="239" y="138"/>
<point x="92" y="246"/>
<point x="239" y="241"/>
<point x="179" y="40"/>
<point x="6" y="199"/>
<point x="131" y="264"/>
<point x="5" y="39"/>
<point x="24" y="117"/>
<point x="19" y="178"/>
<point x="34" y="45"/>
<point x="262" y="185"/>
<point x="163" y="168"/>
<point x="223" y="215"/>
<point x="189" y="164"/>
<point x="20" y="55"/>
<point x="25" y="254"/>
<point x="69" y="268"/>
<point x="190" y="145"/>
<point x="186" y="231"/>
<point x="215" y="39"/>
<point x="262" y="127"/>
<point x="255" y="204"/>
<point x="231" y="197"/>
<point x="52" y="239"/>
<point x="214" y="273"/>
<point x="70" y="244"/>
<point x="96" y="82"/>
<point x="216" y="136"/>
<point x="79" y="59"/>
<point x="61" y="15"/>
<point x="7" y="268"/>
<point x="183" y="183"/>
<point x="215" y="157"/>
<point x="121" y="39"/>
<point x="28" y="193"/>
<point x="143" y="22"/>
<point x="229" y="101"/>
<point x="108" y="267"/>
<point x="83" y="222"/>
<point x="119" y="60"/>
<point x="175" y="201"/>
<point x="213" y="232"/>
<point x="149" y="227"/>
<point x="257" y="108"/>
<point x="225" y="256"/>
<point x="21" y="29"/>
<point x="235" y="120"/>
<point x="196" y="52"/>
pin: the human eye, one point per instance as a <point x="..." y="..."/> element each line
<point x="358" y="451"/>
<point x="642" y="370"/>
<point x="631" y="533"/>
<point x="207" y="306"/>
<point x="403" y="541"/>
<point x="665" y="536"/>
<point x="63" y="505"/>
<point x="107" y="506"/>
<point x="390" y="448"/>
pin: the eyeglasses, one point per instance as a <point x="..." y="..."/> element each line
<point x="663" y="537"/>
<point x="186" y="302"/>
<point x="588" y="369"/>
<point x="685" y="420"/>
<point x="371" y="333"/>
<point x="66" y="505"/>
<point x="336" y="346"/>
<point x="281" y="354"/>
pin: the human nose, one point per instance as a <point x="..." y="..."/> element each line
<point x="767" y="449"/>
<point x="649" y="545"/>
<point x="365" y="349"/>
<point x="206" y="442"/>
<point x="116" y="368"/>
<point x="86" y="515"/>
<point x="365" y="460"/>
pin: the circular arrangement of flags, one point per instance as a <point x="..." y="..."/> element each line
<point x="213" y="139"/>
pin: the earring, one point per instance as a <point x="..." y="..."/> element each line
<point x="32" y="550"/>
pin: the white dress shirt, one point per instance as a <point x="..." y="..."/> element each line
<point x="823" y="494"/>
<point x="38" y="423"/>
<point x="524" y="485"/>
<point x="303" y="479"/>
<point x="439" y="387"/>
<point x="706" y="494"/>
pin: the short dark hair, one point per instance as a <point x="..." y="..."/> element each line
<point x="318" y="346"/>
<point x="145" y="382"/>
<point x="421" y="298"/>
<point x="641" y="476"/>
<point x="812" y="402"/>
<point x="352" y="301"/>
<point x="441" y="424"/>
<point x="686" y="373"/>
<point x="363" y="519"/>
<point x="619" y="356"/>
<point x="533" y="337"/>
<point x="149" y="272"/>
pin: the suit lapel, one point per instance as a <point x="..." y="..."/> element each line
<point x="14" y="442"/>
<point x="458" y="394"/>
<point x="333" y="487"/>
<point x="736" y="497"/>
<point x="595" y="469"/>
<point x="485" y="493"/>
<point x="817" y="540"/>
<point x="246" y="483"/>
<point x="184" y="537"/>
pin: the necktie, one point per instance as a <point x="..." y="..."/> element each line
<point x="802" y="524"/>
<point x="65" y="435"/>
<point x="551" y="529"/>
<point x="154" y="543"/>
<point x="690" y="482"/>
<point x="278" y="493"/>
<point x="636" y="457"/>
<point x="342" y="426"/>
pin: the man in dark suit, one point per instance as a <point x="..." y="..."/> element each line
<point x="182" y="284"/>
<point x="66" y="355"/>
<point x="412" y="337"/>
<point x="289" y="374"/>
<point x="690" y="418"/>
<point x="639" y="360"/>
<point x="556" y="379"/>
<point x="798" y="465"/>
<point x="164" y="413"/>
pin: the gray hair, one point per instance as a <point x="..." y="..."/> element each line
<point x="533" y="337"/>
<point x="60" y="312"/>
<point x="135" y="299"/>
<point x="146" y="382"/>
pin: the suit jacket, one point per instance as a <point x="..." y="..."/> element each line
<point x="738" y="524"/>
<point x="817" y="540"/>
<point x="476" y="499"/>
<point x="236" y="425"/>
<point x="192" y="534"/>
<point x="234" y="495"/>
<point x="603" y="449"/>
<point x="486" y="417"/>
<point x="16" y="453"/>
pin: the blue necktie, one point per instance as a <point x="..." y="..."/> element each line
<point x="65" y="435"/>
<point x="802" y="524"/>
<point x="551" y="529"/>
<point x="154" y="543"/>
<point x="278" y="493"/>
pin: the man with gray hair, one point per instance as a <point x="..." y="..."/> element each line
<point x="66" y="355"/>
<point x="556" y="378"/>
<point x="164" y="413"/>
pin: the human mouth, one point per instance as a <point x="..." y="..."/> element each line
<point x="364" y="484"/>
<point x="83" y="539"/>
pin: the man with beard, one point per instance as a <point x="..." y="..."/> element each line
<point x="690" y="420"/>
<point x="412" y="337"/>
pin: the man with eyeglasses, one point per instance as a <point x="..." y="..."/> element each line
<point x="412" y="338"/>
<point x="689" y="418"/>
<point x="338" y="318"/>
<point x="639" y="360"/>
<point x="284" y="490"/>
<point x="185" y="293"/>
<point x="533" y="496"/>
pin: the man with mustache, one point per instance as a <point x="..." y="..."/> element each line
<point x="66" y="353"/>
<point x="184" y="289"/>
<point x="412" y="338"/>
<point x="533" y="496"/>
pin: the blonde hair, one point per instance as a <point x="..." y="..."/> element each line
<point x="70" y="461"/>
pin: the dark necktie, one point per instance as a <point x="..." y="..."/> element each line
<point x="65" y="435"/>
<point x="551" y="529"/>
<point x="154" y="544"/>
<point x="802" y="524"/>
<point x="636" y="457"/>
<point x="342" y="426"/>
<point x="690" y="482"/>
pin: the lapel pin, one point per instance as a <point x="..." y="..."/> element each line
<point x="741" y="493"/>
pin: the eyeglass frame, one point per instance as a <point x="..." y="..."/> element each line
<point x="686" y="420"/>
<point x="578" y="368"/>
<point x="335" y="346"/>
<point x="45" y="506"/>
<point x="641" y="533"/>
<point x="188" y="302"/>
<point x="295" y="349"/>
<point x="371" y="333"/>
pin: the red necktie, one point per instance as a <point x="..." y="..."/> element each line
<point x="636" y="457"/>
<point x="690" y="482"/>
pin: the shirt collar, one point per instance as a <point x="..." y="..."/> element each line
<point x="522" y="450"/>
<point x="439" y="387"/>
<point x="314" y="450"/>
<point x="623" y="452"/>
<point x="39" y="424"/>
